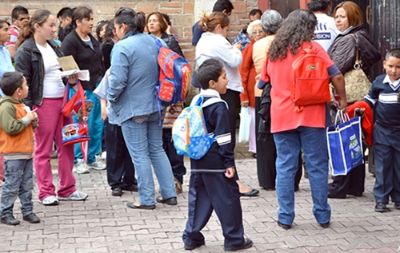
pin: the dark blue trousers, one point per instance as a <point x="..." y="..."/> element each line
<point x="387" y="164"/>
<point x="208" y="192"/>
<point x="120" y="169"/>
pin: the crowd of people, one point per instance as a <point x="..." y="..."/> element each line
<point x="127" y="123"/>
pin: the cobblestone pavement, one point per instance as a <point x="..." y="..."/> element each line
<point x="104" y="224"/>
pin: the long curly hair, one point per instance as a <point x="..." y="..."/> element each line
<point x="296" y="29"/>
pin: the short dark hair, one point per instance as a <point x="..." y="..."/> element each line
<point x="210" y="69"/>
<point x="64" y="12"/>
<point x="254" y="12"/>
<point x="10" y="82"/>
<point x="81" y="12"/>
<point x="395" y="52"/>
<point x="136" y="21"/>
<point x="223" y="5"/>
<point x="319" y="5"/>
<point x="18" y="10"/>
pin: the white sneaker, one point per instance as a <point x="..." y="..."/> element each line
<point x="81" y="167"/>
<point x="97" y="165"/>
<point x="103" y="155"/>
<point x="75" y="196"/>
<point x="50" y="201"/>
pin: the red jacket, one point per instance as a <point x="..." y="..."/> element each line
<point x="367" y="121"/>
<point x="248" y="75"/>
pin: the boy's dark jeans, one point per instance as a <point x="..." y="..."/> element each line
<point x="120" y="169"/>
<point x="18" y="182"/>
<point x="178" y="167"/>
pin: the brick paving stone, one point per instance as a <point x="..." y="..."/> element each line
<point x="104" y="224"/>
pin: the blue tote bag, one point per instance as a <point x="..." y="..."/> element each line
<point x="344" y="140"/>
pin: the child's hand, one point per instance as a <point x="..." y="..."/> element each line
<point x="359" y="112"/>
<point x="32" y="115"/>
<point x="230" y="172"/>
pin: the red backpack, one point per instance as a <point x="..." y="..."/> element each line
<point x="174" y="78"/>
<point x="310" y="79"/>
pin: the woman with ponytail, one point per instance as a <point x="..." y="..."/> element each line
<point x="36" y="58"/>
<point x="133" y="105"/>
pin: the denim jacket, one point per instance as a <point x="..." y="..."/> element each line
<point x="133" y="78"/>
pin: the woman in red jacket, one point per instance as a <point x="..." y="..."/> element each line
<point x="248" y="75"/>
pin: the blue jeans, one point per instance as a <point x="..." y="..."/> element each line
<point x="95" y="125"/>
<point x="143" y="137"/>
<point x="19" y="183"/>
<point x="313" y="143"/>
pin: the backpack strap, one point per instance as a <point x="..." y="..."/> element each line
<point x="213" y="100"/>
<point x="157" y="41"/>
<point x="199" y="101"/>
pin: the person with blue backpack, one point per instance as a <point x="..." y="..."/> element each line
<point x="212" y="185"/>
<point x="134" y="105"/>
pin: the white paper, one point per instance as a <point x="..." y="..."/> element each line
<point x="69" y="67"/>
<point x="83" y="75"/>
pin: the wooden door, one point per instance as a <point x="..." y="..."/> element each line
<point x="385" y="27"/>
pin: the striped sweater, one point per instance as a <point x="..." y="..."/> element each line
<point x="384" y="95"/>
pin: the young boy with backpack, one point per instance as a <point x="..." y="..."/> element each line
<point x="384" y="97"/>
<point x="212" y="184"/>
<point x="16" y="145"/>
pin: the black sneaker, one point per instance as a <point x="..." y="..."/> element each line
<point x="246" y="244"/>
<point x="193" y="245"/>
<point x="9" y="220"/>
<point x="284" y="226"/>
<point x="381" y="208"/>
<point x="116" y="192"/>
<point x="31" y="218"/>
<point x="325" y="225"/>
<point x="169" y="201"/>
<point x="397" y="206"/>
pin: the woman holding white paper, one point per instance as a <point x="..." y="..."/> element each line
<point x="85" y="49"/>
<point x="37" y="60"/>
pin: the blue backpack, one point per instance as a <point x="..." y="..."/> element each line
<point x="189" y="132"/>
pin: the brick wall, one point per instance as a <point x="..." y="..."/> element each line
<point x="181" y="12"/>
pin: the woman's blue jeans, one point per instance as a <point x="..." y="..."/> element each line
<point x="143" y="137"/>
<point x="289" y="144"/>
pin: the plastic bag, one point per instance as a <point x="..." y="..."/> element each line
<point x="244" y="128"/>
